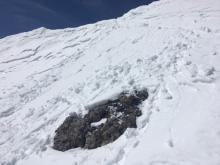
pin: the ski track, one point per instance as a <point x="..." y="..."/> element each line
<point x="47" y="74"/>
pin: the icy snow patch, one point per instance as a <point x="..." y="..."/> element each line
<point x="102" y="121"/>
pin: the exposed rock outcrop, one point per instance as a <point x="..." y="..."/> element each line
<point x="91" y="132"/>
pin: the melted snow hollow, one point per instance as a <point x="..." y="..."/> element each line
<point x="171" y="47"/>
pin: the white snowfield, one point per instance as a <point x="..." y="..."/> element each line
<point x="171" y="47"/>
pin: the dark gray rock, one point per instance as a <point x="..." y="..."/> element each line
<point x="74" y="127"/>
<point x="120" y="113"/>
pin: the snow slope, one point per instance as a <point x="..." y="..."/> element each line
<point x="171" y="47"/>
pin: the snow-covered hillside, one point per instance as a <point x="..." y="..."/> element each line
<point x="171" y="47"/>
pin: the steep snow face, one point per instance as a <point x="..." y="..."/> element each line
<point x="171" y="47"/>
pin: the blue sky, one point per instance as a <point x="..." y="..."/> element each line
<point x="24" y="15"/>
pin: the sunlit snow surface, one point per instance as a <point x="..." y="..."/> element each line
<point x="171" y="47"/>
